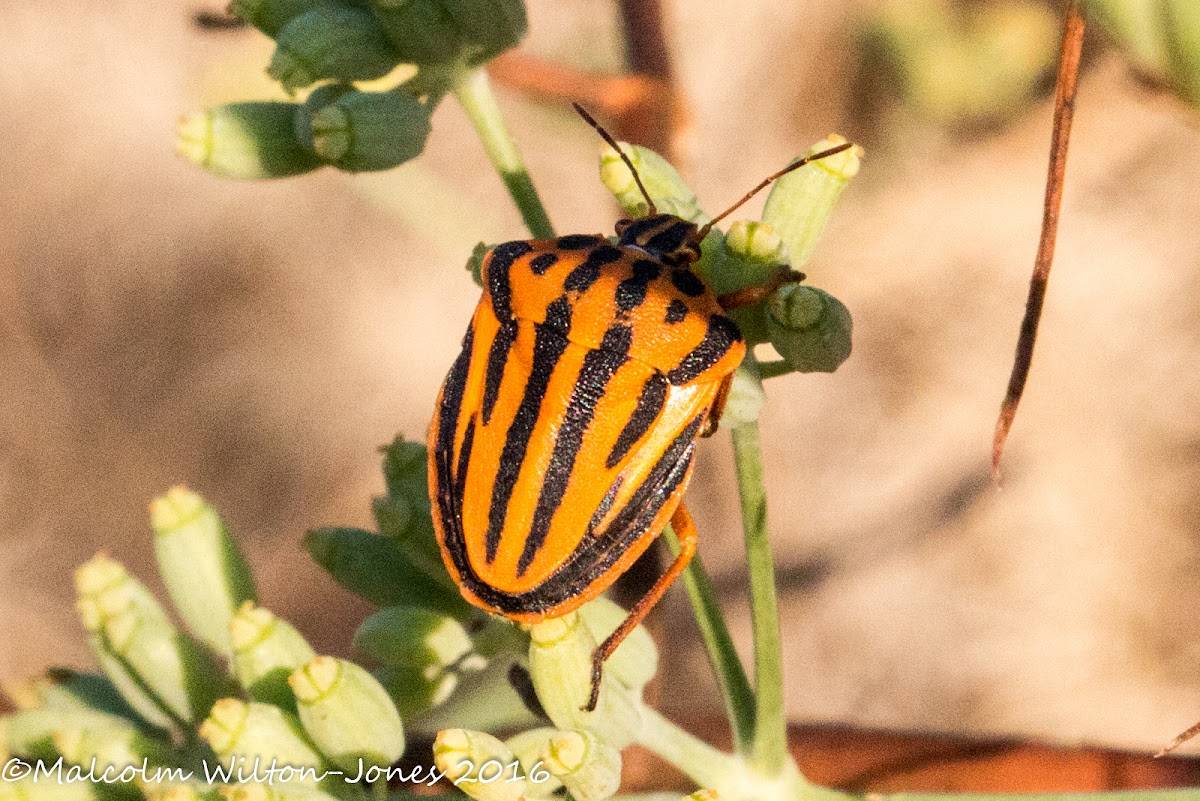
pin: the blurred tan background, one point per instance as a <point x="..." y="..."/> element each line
<point x="258" y="342"/>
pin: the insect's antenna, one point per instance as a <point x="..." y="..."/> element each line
<point x="607" y="137"/>
<point x="795" y="166"/>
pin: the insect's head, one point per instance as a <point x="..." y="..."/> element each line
<point x="671" y="239"/>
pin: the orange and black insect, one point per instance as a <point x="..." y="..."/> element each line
<point x="563" y="436"/>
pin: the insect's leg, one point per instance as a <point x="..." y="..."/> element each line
<point x="685" y="530"/>
<point x="718" y="407"/>
<point x="753" y="294"/>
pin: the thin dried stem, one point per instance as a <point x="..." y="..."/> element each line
<point x="1064" y="110"/>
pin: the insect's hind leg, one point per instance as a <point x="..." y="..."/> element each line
<point x="685" y="530"/>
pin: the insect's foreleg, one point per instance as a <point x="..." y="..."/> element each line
<point x="685" y="530"/>
<point x="753" y="294"/>
<point x="718" y="407"/>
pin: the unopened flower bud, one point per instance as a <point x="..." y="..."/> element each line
<point x="370" y="131"/>
<point x="479" y="765"/>
<point x="266" y="650"/>
<point x="163" y="674"/>
<point x="527" y="747"/>
<point x="810" y="328"/>
<point x="242" y="733"/>
<point x="589" y="767"/>
<point x="670" y="193"/>
<point x="560" y="662"/>
<point x="114" y="747"/>
<point x="702" y="795"/>
<point x="204" y="570"/>
<point x="30" y="788"/>
<point x="406" y="473"/>
<point x="347" y="713"/>
<point x="251" y="791"/>
<point x="753" y="255"/>
<point x="245" y="140"/>
<point x="181" y="791"/>
<point x="424" y="654"/>
<point x="69" y="690"/>
<point x="331" y="42"/>
<point x="487" y="27"/>
<point x="377" y="569"/>
<point x="801" y="202"/>
<point x="269" y="16"/>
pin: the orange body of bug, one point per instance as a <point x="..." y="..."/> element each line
<point x="564" y="433"/>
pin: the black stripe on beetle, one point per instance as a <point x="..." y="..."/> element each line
<point x="499" y="287"/>
<point x="548" y="347"/>
<point x="586" y="274"/>
<point x="577" y="241"/>
<point x="599" y="366"/>
<point x="494" y="373"/>
<point x="718" y="339"/>
<point x="543" y="263"/>
<point x="687" y="282"/>
<point x="676" y="311"/>
<point x="649" y="406"/>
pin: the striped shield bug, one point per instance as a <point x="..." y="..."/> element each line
<point x="563" y="436"/>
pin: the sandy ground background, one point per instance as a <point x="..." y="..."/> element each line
<point x="259" y="341"/>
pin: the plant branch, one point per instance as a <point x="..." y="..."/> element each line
<point x="474" y="93"/>
<point x="705" y="765"/>
<point x="769" y="753"/>
<point x="731" y="676"/>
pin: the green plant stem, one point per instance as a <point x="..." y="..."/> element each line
<point x="774" y="369"/>
<point x="474" y="93"/>
<point x="731" y="676"/>
<point x="769" y="753"/>
<point x="703" y="764"/>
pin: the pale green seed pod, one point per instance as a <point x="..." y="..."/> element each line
<point x="424" y="653"/>
<point x="527" y="747"/>
<point x="810" y="328"/>
<point x="266" y="650"/>
<point x="347" y="713"/>
<point x="31" y="733"/>
<point x="163" y="674"/>
<point x="589" y="767"/>
<point x="801" y="202"/>
<point x="666" y="186"/>
<point x="206" y="575"/>
<point x="332" y="43"/>
<point x="245" y="140"/>
<point x="479" y="765"/>
<point x="241" y="733"/>
<point x="560" y="662"/>
<point x="370" y="131"/>
<point x="635" y="662"/>
<point x="113" y="747"/>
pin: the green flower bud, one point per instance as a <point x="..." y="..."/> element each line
<point x="802" y="201"/>
<point x="331" y="43"/>
<point x="31" y="733"/>
<point x="375" y="568"/>
<point x="475" y="262"/>
<point x="635" y="661"/>
<point x="424" y="652"/>
<point x="370" y="131"/>
<point x="589" y="767"/>
<point x="560" y="662"/>
<point x="347" y="713"/>
<point x="266" y="650"/>
<point x="809" y="327"/>
<point x="205" y="572"/>
<point x="269" y="16"/>
<point x="249" y="791"/>
<point x="487" y="27"/>
<point x="29" y="789"/>
<point x="245" y="140"/>
<point x="163" y="674"/>
<point x="324" y="95"/>
<point x="755" y="253"/>
<point x="241" y="733"/>
<point x="429" y="32"/>
<point x="670" y="193"/>
<point x="527" y="747"/>
<point x="181" y="791"/>
<point x="479" y="765"/>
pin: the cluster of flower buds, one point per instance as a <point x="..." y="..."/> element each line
<point x="326" y="47"/>
<point x="809" y="328"/>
